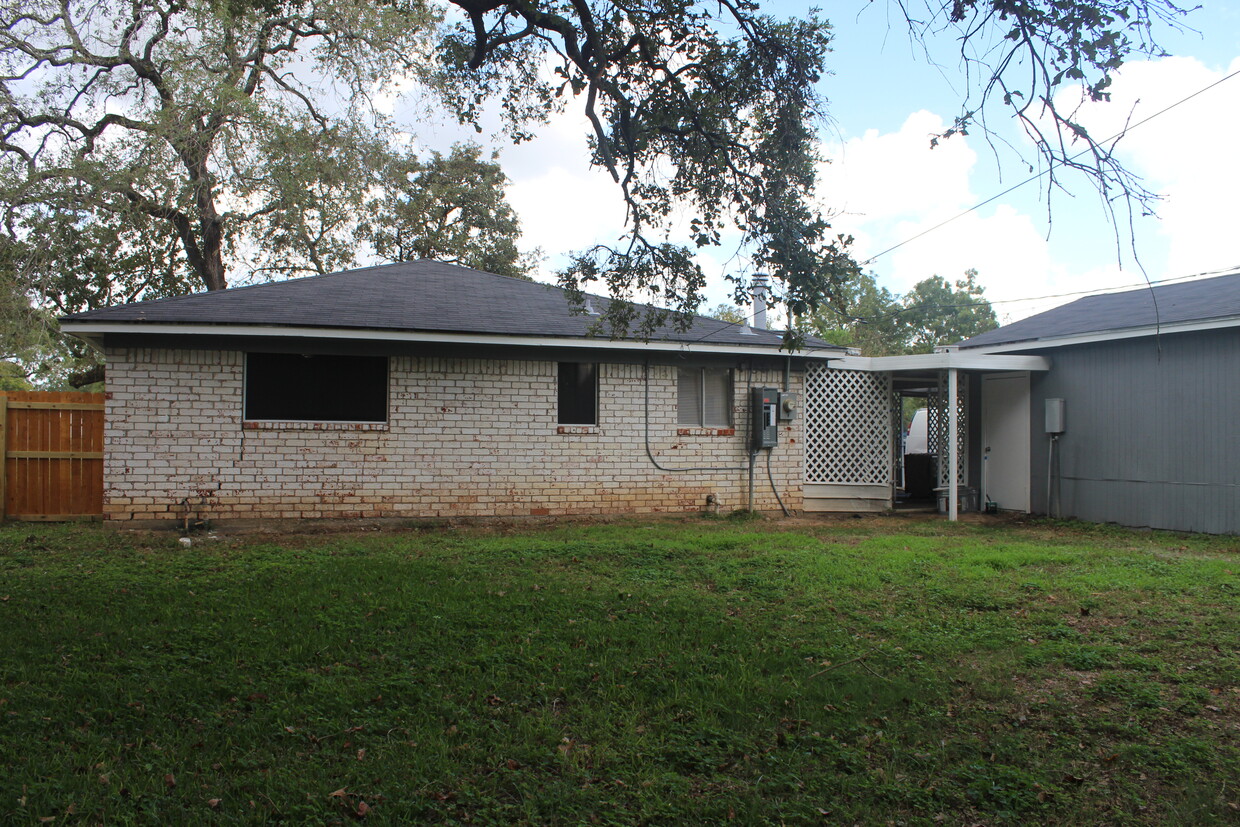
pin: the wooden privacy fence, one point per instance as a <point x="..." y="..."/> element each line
<point x="51" y="455"/>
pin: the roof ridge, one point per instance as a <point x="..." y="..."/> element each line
<point x="240" y="287"/>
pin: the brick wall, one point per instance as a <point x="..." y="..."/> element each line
<point x="465" y="437"/>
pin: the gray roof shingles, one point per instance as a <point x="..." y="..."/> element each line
<point x="427" y="296"/>
<point x="1192" y="301"/>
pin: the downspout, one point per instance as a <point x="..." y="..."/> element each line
<point x="753" y="452"/>
<point x="770" y="475"/>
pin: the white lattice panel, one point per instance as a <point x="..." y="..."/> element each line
<point x="937" y="425"/>
<point x="848" y="426"/>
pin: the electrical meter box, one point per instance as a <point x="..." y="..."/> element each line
<point x="787" y="406"/>
<point x="1054" y="416"/>
<point x="764" y="411"/>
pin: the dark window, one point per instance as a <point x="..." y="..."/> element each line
<point x="704" y="397"/>
<point x="292" y="387"/>
<point x="578" y="394"/>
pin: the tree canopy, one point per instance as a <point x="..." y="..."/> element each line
<point x="159" y="147"/>
<point x="449" y="208"/>
<point x="188" y="137"/>
<point x="197" y="116"/>
<point x="705" y="114"/>
<point x="934" y="312"/>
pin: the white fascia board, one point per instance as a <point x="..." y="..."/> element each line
<point x="91" y="331"/>
<point x="961" y="360"/>
<point x="1108" y="335"/>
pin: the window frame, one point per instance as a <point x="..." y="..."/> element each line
<point x="701" y="392"/>
<point x="561" y="389"/>
<point x="248" y="375"/>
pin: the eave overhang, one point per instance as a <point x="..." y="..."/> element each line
<point x="951" y="359"/>
<point x="1107" y="335"/>
<point x="95" y="332"/>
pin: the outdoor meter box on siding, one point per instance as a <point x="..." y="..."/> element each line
<point x="1054" y="416"/>
<point x="787" y="406"/>
<point x="764" y="409"/>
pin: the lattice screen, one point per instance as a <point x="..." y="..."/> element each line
<point x="937" y="424"/>
<point x="848" y="426"/>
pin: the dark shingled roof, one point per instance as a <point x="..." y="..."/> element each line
<point x="423" y="296"/>
<point x="1190" y="301"/>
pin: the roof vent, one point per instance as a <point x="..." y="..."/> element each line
<point x="590" y="311"/>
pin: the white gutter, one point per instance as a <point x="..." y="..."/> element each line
<point x="90" y="330"/>
<point x="1108" y="335"/>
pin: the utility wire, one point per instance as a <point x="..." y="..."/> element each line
<point x="1096" y="292"/>
<point x="1052" y="166"/>
<point x="1106" y="291"/>
<point x="1013" y="188"/>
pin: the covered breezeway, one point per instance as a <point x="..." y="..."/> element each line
<point x="854" y="431"/>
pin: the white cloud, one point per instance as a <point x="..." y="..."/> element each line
<point x="565" y="204"/>
<point x="1188" y="154"/>
<point x="889" y="188"/>
<point x="879" y="177"/>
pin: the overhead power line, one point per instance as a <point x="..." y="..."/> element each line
<point x="1048" y="169"/>
<point x="1224" y="271"/>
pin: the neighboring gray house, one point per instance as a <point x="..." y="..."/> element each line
<point x="429" y="390"/>
<point x="1150" y="383"/>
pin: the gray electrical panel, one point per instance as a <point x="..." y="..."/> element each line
<point x="764" y="413"/>
<point x="1054" y="416"/>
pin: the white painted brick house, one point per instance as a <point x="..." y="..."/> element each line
<point x="424" y="390"/>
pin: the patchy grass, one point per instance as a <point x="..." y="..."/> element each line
<point x="695" y="671"/>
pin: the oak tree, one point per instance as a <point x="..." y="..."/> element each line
<point x="934" y="312"/>
<point x="705" y="113"/>
<point x="449" y="208"/>
<point x="201" y="119"/>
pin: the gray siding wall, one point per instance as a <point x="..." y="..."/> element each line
<point x="1152" y="439"/>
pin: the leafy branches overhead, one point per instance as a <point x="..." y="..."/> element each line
<point x="184" y="113"/>
<point x="229" y="132"/>
<point x="703" y="112"/>
<point x="1038" y="61"/>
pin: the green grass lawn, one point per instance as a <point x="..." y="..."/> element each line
<point x="693" y="671"/>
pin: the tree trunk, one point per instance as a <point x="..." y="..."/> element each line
<point x="210" y="226"/>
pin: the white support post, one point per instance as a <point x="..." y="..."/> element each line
<point x="953" y="443"/>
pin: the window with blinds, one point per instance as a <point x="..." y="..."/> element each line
<point x="704" y="397"/>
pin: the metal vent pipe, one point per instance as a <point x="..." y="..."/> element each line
<point x="757" y="289"/>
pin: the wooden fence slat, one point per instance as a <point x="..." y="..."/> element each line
<point x="51" y="455"/>
<point x="57" y="406"/>
<point x="4" y="455"/>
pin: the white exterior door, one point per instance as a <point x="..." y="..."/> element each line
<point x="1005" y="440"/>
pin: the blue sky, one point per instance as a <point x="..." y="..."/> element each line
<point x="885" y="100"/>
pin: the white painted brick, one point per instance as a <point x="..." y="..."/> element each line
<point x="473" y="437"/>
